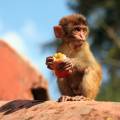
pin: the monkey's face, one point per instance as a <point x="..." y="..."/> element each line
<point x="72" y="33"/>
<point x="78" y="33"/>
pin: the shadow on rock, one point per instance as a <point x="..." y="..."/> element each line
<point x="17" y="105"/>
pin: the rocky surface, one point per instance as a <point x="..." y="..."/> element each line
<point x="50" y="110"/>
<point x="18" y="78"/>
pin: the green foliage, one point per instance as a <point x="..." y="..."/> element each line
<point x="104" y="21"/>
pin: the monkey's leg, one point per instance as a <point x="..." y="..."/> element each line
<point x="90" y="83"/>
<point x="65" y="90"/>
<point x="64" y="87"/>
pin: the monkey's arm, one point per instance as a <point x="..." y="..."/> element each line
<point x="91" y="81"/>
<point x="78" y="65"/>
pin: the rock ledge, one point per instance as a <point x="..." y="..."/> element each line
<point x="50" y="110"/>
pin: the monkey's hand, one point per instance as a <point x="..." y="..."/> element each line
<point x="65" y="66"/>
<point x="64" y="69"/>
<point x="50" y="62"/>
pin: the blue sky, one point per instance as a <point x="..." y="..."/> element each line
<point x="25" y="24"/>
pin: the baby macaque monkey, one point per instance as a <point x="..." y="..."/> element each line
<point x="85" y="72"/>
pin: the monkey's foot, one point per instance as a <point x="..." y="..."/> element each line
<point x="75" y="98"/>
<point x="64" y="98"/>
<point x="80" y="98"/>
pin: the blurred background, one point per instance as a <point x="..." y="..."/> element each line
<point x="27" y="26"/>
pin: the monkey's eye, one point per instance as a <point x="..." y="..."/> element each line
<point x="77" y="28"/>
<point x="84" y="30"/>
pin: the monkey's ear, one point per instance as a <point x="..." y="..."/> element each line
<point x="58" y="31"/>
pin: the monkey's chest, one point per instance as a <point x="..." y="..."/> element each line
<point x="74" y="82"/>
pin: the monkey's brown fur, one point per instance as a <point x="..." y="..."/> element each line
<point x="86" y="72"/>
<point x="87" y="75"/>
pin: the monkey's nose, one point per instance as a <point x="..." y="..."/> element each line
<point x="78" y="37"/>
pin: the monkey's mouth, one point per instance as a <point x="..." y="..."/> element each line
<point x="79" y="38"/>
<point x="78" y="44"/>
